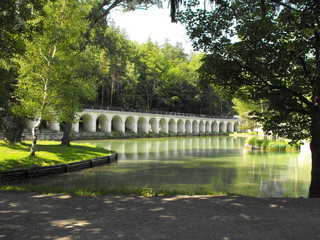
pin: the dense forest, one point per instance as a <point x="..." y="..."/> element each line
<point x="150" y="76"/>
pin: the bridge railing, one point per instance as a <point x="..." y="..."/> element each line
<point x="120" y="109"/>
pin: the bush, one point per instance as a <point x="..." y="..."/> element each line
<point x="270" y="145"/>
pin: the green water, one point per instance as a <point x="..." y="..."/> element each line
<point x="195" y="165"/>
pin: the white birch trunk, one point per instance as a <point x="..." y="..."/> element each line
<point x="34" y="137"/>
<point x="44" y="99"/>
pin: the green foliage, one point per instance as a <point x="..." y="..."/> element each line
<point x="116" y="69"/>
<point x="17" y="23"/>
<point x="57" y="64"/>
<point x="245" y="109"/>
<point x="265" y="51"/>
<point x="262" y="51"/>
<point x="128" y="190"/>
<point x="152" y="77"/>
<point x="55" y="75"/>
<point x="271" y="145"/>
<point x="152" y="65"/>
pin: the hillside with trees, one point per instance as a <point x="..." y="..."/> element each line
<point x="150" y="76"/>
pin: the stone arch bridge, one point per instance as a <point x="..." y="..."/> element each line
<point x="94" y="120"/>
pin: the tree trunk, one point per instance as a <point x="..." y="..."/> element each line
<point x="102" y="96"/>
<point x="34" y="137"/>
<point x="13" y="129"/>
<point x="111" y="96"/>
<point x="66" y="134"/>
<point x="113" y="82"/>
<point x="314" y="191"/>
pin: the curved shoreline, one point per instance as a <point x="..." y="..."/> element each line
<point x="6" y="176"/>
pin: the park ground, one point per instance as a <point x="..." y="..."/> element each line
<point x="29" y="215"/>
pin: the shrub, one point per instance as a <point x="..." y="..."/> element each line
<point x="270" y="145"/>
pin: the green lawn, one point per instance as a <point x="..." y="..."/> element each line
<point x="48" y="153"/>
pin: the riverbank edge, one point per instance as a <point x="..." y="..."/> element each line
<point x="11" y="175"/>
<point x="257" y="148"/>
<point x="50" y="135"/>
<point x="146" y="136"/>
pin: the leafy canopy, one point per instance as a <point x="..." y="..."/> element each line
<point x="55" y="75"/>
<point x="17" y="22"/>
<point x="261" y="51"/>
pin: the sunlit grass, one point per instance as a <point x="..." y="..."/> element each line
<point x="125" y="190"/>
<point x="48" y="153"/>
<point x="270" y="145"/>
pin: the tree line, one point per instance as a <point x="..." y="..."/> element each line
<point x="150" y="76"/>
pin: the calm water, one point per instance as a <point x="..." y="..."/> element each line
<point x="195" y="163"/>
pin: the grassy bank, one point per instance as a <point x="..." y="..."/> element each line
<point x="129" y="190"/>
<point x="255" y="143"/>
<point x="48" y="153"/>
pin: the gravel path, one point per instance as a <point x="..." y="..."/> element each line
<point x="34" y="216"/>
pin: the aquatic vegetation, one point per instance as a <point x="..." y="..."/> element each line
<point x="255" y="143"/>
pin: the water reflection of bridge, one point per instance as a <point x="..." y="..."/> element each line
<point x="166" y="147"/>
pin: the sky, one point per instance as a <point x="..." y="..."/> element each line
<point x="154" y="23"/>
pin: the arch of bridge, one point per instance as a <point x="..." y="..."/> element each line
<point x="108" y="121"/>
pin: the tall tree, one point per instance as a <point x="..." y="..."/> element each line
<point x="17" y="22"/>
<point x="266" y="50"/>
<point x="152" y="65"/>
<point x="116" y="51"/>
<point x="174" y="54"/>
<point x="54" y="74"/>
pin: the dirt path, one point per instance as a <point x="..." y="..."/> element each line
<point x="34" y="216"/>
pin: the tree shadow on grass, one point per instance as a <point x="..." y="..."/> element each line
<point x="47" y="154"/>
<point x="27" y="162"/>
<point x="75" y="152"/>
<point x="17" y="146"/>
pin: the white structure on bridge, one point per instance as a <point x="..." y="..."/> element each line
<point x="91" y="120"/>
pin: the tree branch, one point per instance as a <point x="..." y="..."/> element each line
<point x="281" y="3"/>
<point x="273" y="86"/>
<point x="304" y="112"/>
<point x="105" y="12"/>
<point x="305" y="68"/>
<point x="39" y="75"/>
<point x="41" y="54"/>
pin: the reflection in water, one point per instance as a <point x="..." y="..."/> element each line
<point x="195" y="164"/>
<point x="168" y="147"/>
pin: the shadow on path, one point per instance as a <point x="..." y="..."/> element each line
<point x="34" y="216"/>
